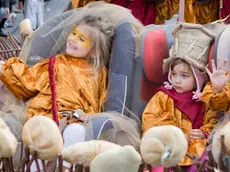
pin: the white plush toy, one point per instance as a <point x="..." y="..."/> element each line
<point x="163" y="146"/>
<point x="121" y="159"/>
<point x="42" y="134"/>
<point x="25" y="27"/>
<point x="84" y="152"/>
<point x="8" y="142"/>
<point x="216" y="144"/>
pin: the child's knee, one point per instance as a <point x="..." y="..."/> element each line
<point x="73" y="133"/>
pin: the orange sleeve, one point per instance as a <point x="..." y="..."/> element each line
<point x="158" y="112"/>
<point x="209" y="120"/>
<point x="166" y="10"/>
<point x="21" y="80"/>
<point x="206" y="13"/>
<point x="218" y="101"/>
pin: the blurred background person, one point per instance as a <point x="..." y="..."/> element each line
<point x="4" y="14"/>
<point x="34" y="10"/>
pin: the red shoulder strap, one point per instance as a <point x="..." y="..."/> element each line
<point x="53" y="88"/>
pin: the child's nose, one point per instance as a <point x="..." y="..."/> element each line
<point x="178" y="80"/>
<point x="74" y="37"/>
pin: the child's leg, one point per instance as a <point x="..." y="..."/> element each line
<point x="30" y="11"/>
<point x="40" y="13"/>
<point x="73" y="133"/>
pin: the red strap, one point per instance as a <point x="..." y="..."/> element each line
<point x="53" y="88"/>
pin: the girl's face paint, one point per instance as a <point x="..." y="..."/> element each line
<point x="79" y="43"/>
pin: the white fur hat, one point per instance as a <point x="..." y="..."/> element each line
<point x="163" y="146"/>
<point x="8" y="142"/>
<point x="216" y="144"/>
<point x="122" y="159"/>
<point x="42" y="134"/>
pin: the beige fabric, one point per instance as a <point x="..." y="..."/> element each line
<point x="84" y="152"/>
<point x="121" y="159"/>
<point x="163" y="146"/>
<point x="42" y="134"/>
<point x="192" y="44"/>
<point x="8" y="142"/>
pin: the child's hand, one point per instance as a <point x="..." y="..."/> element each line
<point x="187" y="137"/>
<point x="6" y="12"/>
<point x="197" y="134"/>
<point x="80" y="114"/>
<point x="218" y="78"/>
<point x="62" y="124"/>
<point x="1" y="63"/>
<point x="23" y="36"/>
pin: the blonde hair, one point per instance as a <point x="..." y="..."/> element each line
<point x="126" y="130"/>
<point x="121" y="137"/>
<point x="121" y="129"/>
<point x="101" y="38"/>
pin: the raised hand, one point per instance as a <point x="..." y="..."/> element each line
<point x="81" y="115"/>
<point x="1" y="63"/>
<point x="6" y="12"/>
<point x="218" y="76"/>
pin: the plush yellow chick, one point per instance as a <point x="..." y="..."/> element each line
<point x="84" y="152"/>
<point x="42" y="134"/>
<point x="8" y="142"/>
<point x="163" y="146"/>
<point x="121" y="159"/>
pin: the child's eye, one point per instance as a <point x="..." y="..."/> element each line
<point x="74" y="33"/>
<point x="185" y="76"/>
<point x="173" y="74"/>
<point x="82" y="39"/>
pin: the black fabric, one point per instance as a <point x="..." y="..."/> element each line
<point x="2" y="34"/>
<point x="204" y="1"/>
<point x="5" y="3"/>
<point x="12" y="2"/>
<point x="156" y="1"/>
<point x="2" y="23"/>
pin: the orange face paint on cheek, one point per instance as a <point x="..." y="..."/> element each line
<point x="81" y="38"/>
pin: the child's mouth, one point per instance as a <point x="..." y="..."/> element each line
<point x="72" y="46"/>
<point x="177" y="87"/>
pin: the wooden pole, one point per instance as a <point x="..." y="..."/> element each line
<point x="181" y="10"/>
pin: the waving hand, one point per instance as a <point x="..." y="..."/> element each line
<point x="218" y="76"/>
